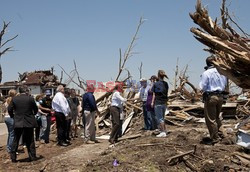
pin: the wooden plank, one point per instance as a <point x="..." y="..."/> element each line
<point x="134" y="106"/>
<point x="130" y="137"/>
<point x="179" y="156"/>
<point x="126" y="122"/>
<point x="197" y="105"/>
<point x="173" y="123"/>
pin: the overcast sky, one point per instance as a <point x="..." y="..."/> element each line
<point x="56" y="32"/>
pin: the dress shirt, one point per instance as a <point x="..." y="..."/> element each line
<point x="60" y="104"/>
<point x="88" y="102"/>
<point x="117" y="99"/>
<point x="212" y="80"/>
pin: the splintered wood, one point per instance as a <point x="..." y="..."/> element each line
<point x="231" y="49"/>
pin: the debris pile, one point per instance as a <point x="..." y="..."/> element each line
<point x="232" y="50"/>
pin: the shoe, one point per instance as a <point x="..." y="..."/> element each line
<point x="96" y="141"/>
<point x="162" y="134"/>
<point x="111" y="141"/>
<point x="62" y="144"/>
<point x="42" y="142"/>
<point x="13" y="157"/>
<point x="13" y="160"/>
<point x="89" y="142"/>
<point x="209" y="141"/>
<point x="67" y="142"/>
<point x="33" y="158"/>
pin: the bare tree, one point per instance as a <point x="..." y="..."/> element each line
<point x="81" y="83"/>
<point x="140" y="70"/>
<point x="3" y="48"/>
<point x="129" y="52"/>
<point x="122" y="61"/>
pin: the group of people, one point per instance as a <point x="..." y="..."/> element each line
<point x="154" y="103"/>
<point x="24" y="113"/>
<point x="154" y="97"/>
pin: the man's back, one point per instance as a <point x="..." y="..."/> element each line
<point x="23" y="108"/>
<point x="212" y="80"/>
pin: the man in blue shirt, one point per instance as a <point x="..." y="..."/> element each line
<point x="89" y="111"/>
<point x="213" y="85"/>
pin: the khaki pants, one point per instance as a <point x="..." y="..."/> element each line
<point x="213" y="105"/>
<point x="90" y="125"/>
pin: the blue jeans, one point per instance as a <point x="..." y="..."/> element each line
<point x="154" y="119"/>
<point x="46" y="120"/>
<point x="43" y="127"/>
<point x="10" y="125"/>
<point x="160" y="113"/>
<point x="147" y="118"/>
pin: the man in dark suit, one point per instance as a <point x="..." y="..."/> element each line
<point x="23" y="109"/>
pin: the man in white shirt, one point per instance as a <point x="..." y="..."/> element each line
<point x="213" y="85"/>
<point x="115" y="111"/>
<point x="61" y="108"/>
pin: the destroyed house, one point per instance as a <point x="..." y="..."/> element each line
<point x="37" y="82"/>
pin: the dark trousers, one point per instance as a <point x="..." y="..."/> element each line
<point x="61" y="126"/>
<point x="28" y="138"/>
<point x="116" y="124"/>
<point x="47" y="131"/>
<point x="68" y="130"/>
<point x="37" y="129"/>
<point x="147" y="118"/>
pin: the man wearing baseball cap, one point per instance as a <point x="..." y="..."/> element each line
<point x="46" y="108"/>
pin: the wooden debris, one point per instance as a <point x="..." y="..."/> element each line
<point x="130" y="137"/>
<point x="126" y="122"/>
<point x="170" y="159"/>
<point x="232" y="50"/>
<point x="190" y="165"/>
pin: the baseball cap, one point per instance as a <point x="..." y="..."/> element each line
<point x="47" y="93"/>
<point x="153" y="77"/>
<point x="143" y="79"/>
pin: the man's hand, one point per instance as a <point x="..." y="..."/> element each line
<point x="98" y="113"/>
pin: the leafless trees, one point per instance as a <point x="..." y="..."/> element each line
<point x="4" y="42"/>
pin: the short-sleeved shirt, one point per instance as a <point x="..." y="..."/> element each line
<point x="160" y="89"/>
<point x="46" y="103"/>
<point x="144" y="93"/>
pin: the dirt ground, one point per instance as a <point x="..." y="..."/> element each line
<point x="53" y="157"/>
<point x="146" y="153"/>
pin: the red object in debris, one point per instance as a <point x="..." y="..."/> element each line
<point x="53" y="118"/>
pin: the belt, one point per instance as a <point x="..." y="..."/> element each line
<point x="116" y="107"/>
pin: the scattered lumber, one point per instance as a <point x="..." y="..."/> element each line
<point x="243" y="155"/>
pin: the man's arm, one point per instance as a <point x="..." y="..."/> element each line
<point x="43" y="108"/>
<point x="204" y="82"/>
<point x="35" y="108"/>
<point x="11" y="109"/>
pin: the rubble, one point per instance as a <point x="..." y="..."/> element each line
<point x="232" y="50"/>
